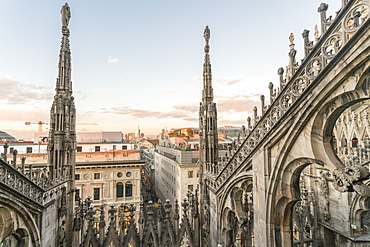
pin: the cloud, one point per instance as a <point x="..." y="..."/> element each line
<point x="190" y="107"/>
<point x="227" y="108"/>
<point x="168" y="92"/>
<point x="112" y="60"/>
<point x="15" y="93"/>
<point x="186" y="114"/>
<point x="24" y="115"/>
<point x="195" y="79"/>
<point x="227" y="80"/>
<point x="234" y="81"/>
<point x="237" y="105"/>
<point x="227" y="122"/>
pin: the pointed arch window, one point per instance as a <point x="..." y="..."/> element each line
<point x="334" y="142"/>
<point x="367" y="141"/>
<point x="128" y="189"/>
<point x="354" y="142"/>
<point x="343" y="142"/>
<point x="119" y="188"/>
<point x="301" y="224"/>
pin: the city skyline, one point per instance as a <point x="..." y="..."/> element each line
<point x="143" y="61"/>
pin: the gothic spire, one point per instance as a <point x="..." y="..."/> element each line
<point x="64" y="83"/>
<point x="208" y="139"/>
<point x="208" y="115"/>
<point x="62" y="136"/>
<point x="207" y="72"/>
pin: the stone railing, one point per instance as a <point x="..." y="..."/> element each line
<point x="13" y="179"/>
<point x="335" y="34"/>
<point x="354" y="155"/>
<point x="34" y="184"/>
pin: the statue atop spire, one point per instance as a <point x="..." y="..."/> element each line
<point x="207" y="35"/>
<point x="66" y="15"/>
<point x="207" y="72"/>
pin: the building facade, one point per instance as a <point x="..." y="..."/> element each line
<point x="176" y="172"/>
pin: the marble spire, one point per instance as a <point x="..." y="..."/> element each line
<point x="207" y="72"/>
<point x="208" y="114"/>
<point x="62" y="135"/>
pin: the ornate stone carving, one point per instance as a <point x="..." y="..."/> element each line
<point x="350" y="178"/>
<point x="123" y="231"/>
<point x="298" y="78"/>
<point x="66" y="14"/>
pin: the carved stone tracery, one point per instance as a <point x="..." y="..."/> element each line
<point x="299" y="77"/>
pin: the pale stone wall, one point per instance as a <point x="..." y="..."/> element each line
<point x="259" y="195"/>
<point x="214" y="216"/>
<point x="50" y="225"/>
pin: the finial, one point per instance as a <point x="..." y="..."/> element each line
<point x="316" y="33"/>
<point x="4" y="155"/>
<point x="308" y="45"/>
<point x="325" y="22"/>
<point x="291" y="40"/>
<point x="305" y="33"/>
<point x="249" y="123"/>
<point x="263" y="107"/>
<point x="207" y="34"/>
<point x="66" y="15"/>
<point x="271" y="87"/>
<point x="255" y="117"/>
<point x="280" y="71"/>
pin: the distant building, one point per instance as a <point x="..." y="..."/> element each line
<point x="5" y="137"/>
<point x="86" y="136"/>
<point x="31" y="147"/>
<point x="130" y="136"/>
<point x="107" y="176"/>
<point x="150" y="143"/>
<point x="176" y="172"/>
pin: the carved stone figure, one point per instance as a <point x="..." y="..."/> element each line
<point x="207" y="34"/>
<point x="62" y="234"/>
<point x="66" y="14"/>
<point x="291" y="38"/>
<point x="206" y="221"/>
<point x="326" y="213"/>
<point x="365" y="218"/>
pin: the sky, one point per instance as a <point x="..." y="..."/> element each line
<point x="139" y="62"/>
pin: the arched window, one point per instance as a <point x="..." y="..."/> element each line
<point x="334" y="142"/>
<point x="128" y="190"/>
<point x="343" y="142"/>
<point x="119" y="190"/>
<point x="354" y="142"/>
<point x="367" y="141"/>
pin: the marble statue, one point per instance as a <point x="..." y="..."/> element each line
<point x="66" y="14"/>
